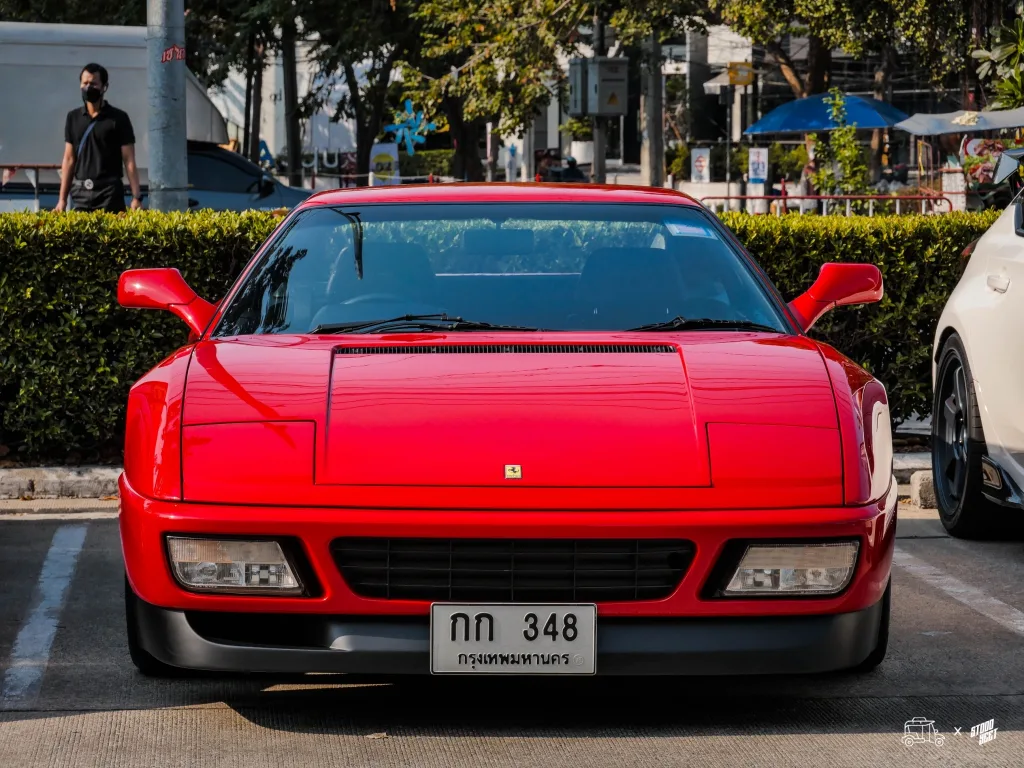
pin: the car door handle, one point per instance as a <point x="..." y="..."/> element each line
<point x="998" y="283"/>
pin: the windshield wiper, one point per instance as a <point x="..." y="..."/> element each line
<point x="705" y="323"/>
<point x="436" y="322"/>
<point x="478" y="325"/>
<point x="411" y="321"/>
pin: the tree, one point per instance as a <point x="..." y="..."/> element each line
<point x="840" y="160"/>
<point x="360" y="44"/>
<point x="1003" y="65"/>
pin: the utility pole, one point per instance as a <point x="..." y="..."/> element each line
<point x="293" y="139"/>
<point x="168" y="151"/>
<point x="600" y="127"/>
<point x="250" y="65"/>
<point x="728" y="139"/>
<point x="257" y="102"/>
<point x="652" y="152"/>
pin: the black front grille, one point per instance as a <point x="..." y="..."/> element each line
<point x="511" y="349"/>
<point x="513" y="570"/>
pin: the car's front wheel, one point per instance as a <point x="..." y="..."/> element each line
<point x="958" y="444"/>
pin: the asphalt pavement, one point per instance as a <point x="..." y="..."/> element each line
<point x="70" y="696"/>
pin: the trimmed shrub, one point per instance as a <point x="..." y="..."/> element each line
<point x="68" y="353"/>
<point x="919" y="257"/>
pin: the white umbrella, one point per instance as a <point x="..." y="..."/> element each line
<point x="962" y="121"/>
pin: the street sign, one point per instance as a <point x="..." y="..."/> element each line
<point x="700" y="165"/>
<point x="757" y="171"/>
<point x="741" y="73"/>
<point x="607" y="86"/>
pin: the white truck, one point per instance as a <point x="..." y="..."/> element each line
<point x="40" y="65"/>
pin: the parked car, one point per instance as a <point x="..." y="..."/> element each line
<point x="218" y="179"/>
<point x="978" y="371"/>
<point x="517" y="429"/>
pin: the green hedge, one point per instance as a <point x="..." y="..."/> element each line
<point x="68" y="353"/>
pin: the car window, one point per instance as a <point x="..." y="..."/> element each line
<point x="555" y="266"/>
<point x="212" y="174"/>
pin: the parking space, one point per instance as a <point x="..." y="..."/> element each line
<point x="955" y="650"/>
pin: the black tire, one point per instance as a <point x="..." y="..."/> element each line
<point x="144" y="661"/>
<point x="877" y="656"/>
<point x="958" y="444"/>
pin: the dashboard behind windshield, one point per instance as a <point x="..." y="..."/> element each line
<point x="555" y="266"/>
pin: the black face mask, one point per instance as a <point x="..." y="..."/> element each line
<point x="92" y="95"/>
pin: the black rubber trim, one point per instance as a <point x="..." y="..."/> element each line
<point x="391" y="645"/>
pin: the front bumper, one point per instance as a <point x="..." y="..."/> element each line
<point x="386" y="645"/>
<point x="145" y="523"/>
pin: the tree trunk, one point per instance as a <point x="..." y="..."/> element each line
<point x="293" y="135"/>
<point x="250" y="65"/>
<point x="819" y="66"/>
<point x="787" y="67"/>
<point x="257" y="104"/>
<point x="882" y="92"/>
<point x="466" y="163"/>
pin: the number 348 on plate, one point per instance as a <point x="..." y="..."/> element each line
<point x="541" y="639"/>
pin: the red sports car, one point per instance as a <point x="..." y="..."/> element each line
<point x="513" y="429"/>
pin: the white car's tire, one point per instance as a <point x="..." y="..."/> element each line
<point x="958" y="444"/>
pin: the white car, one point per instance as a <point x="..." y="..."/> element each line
<point x="978" y="378"/>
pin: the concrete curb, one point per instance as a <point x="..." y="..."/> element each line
<point x="922" y="490"/>
<point x="97" y="482"/>
<point x="58" y="482"/>
<point x="904" y="465"/>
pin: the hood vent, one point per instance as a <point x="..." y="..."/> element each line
<point x="511" y="349"/>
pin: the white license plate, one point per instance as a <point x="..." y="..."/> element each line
<point x="512" y="639"/>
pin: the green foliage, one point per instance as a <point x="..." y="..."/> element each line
<point x="842" y="167"/>
<point x="578" y="129"/>
<point x="920" y="261"/>
<point x="69" y="353"/>
<point x="426" y="162"/>
<point x="1003" y="65"/>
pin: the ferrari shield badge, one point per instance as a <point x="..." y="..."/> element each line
<point x="513" y="472"/>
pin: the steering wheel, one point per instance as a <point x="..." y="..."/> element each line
<point x="392" y="297"/>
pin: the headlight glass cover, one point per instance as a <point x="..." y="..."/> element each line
<point x="234" y="566"/>
<point x="781" y="569"/>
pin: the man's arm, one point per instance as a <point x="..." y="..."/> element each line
<point x="128" y="155"/>
<point x="67" y="173"/>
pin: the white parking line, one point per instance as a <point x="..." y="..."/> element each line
<point x="1001" y="613"/>
<point x="31" y="651"/>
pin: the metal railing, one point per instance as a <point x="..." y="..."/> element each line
<point x="36" y="184"/>
<point x="927" y="202"/>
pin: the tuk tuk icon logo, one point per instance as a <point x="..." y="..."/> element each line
<point x="921" y="730"/>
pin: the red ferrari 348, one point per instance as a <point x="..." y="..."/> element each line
<point x="512" y="429"/>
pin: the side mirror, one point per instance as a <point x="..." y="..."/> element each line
<point x="838" y="285"/>
<point x="164" y="289"/>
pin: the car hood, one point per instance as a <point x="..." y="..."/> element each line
<point x="689" y="410"/>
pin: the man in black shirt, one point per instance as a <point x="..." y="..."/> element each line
<point x="99" y="142"/>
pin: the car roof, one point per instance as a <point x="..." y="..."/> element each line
<point x="500" y="192"/>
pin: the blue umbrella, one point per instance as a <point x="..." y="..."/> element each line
<point x="813" y="114"/>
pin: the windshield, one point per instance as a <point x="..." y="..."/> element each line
<point x="552" y="266"/>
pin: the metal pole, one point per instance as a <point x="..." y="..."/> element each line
<point x="600" y="128"/>
<point x="250" y="65"/>
<point x="168" y="158"/>
<point x="652" y="157"/>
<point x="728" y="145"/>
